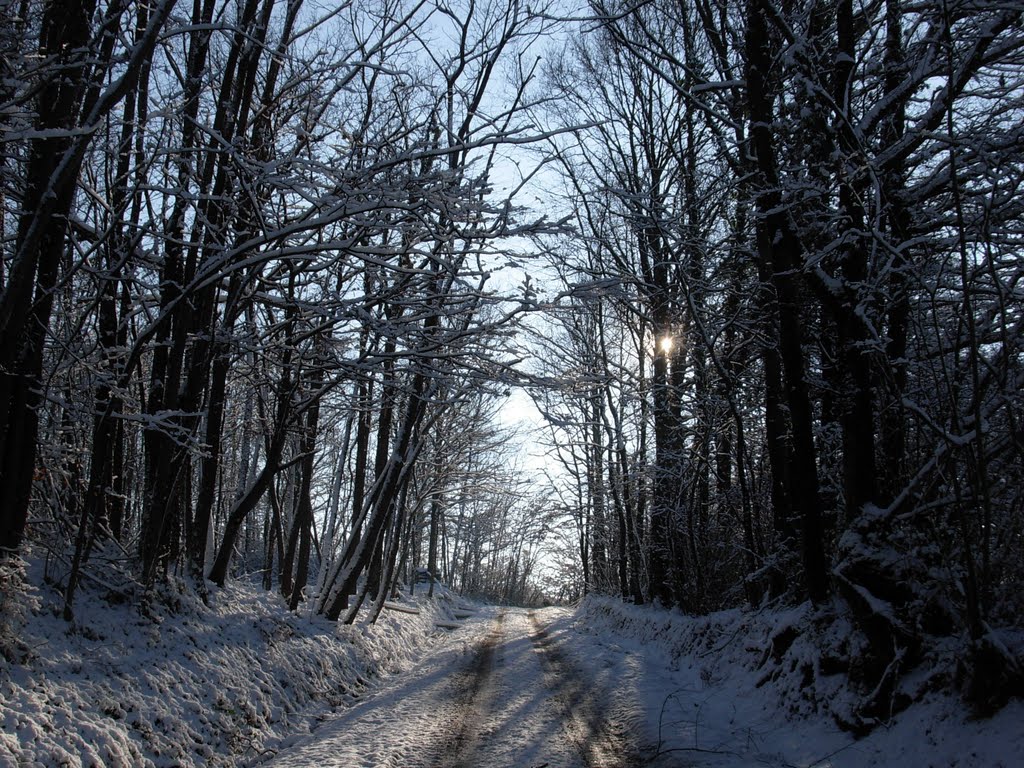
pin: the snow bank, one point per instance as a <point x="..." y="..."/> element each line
<point x="186" y="684"/>
<point x="739" y="688"/>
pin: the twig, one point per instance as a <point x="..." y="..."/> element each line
<point x="831" y="754"/>
<point x="724" y="645"/>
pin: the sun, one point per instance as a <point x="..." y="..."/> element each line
<point x="665" y="344"/>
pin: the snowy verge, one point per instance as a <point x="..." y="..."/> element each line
<point x="740" y="688"/>
<point x="187" y="684"/>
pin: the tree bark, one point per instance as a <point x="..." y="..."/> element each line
<point x="780" y="254"/>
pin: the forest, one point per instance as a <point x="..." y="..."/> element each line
<point x="271" y="269"/>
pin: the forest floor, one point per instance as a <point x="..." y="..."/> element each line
<point x="243" y="682"/>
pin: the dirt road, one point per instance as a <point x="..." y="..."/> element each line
<point x="497" y="694"/>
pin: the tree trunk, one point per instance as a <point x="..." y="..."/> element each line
<point x="435" y="523"/>
<point x="304" y="513"/>
<point x="780" y="254"/>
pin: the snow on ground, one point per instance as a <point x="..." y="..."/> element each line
<point x="697" y="691"/>
<point x="188" y="685"/>
<point x="243" y="682"/>
<point x="495" y="696"/>
<point x="404" y="721"/>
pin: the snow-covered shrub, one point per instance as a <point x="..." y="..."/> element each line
<point x="17" y="601"/>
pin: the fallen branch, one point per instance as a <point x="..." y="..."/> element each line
<point x="401" y="608"/>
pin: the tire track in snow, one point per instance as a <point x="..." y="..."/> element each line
<point x="512" y="698"/>
<point x="410" y="720"/>
<point x="459" y="750"/>
<point x="585" y="718"/>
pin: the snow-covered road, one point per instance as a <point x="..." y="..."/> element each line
<point x="499" y="692"/>
<point x="615" y="686"/>
<point x="244" y="682"/>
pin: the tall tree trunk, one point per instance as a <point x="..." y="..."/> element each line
<point x="378" y="507"/>
<point x="596" y="495"/>
<point x="858" y="417"/>
<point x="304" y="513"/>
<point x="436" y="506"/>
<point x="780" y="254"/>
<point x="893" y="423"/>
<point x="244" y="504"/>
<point x="54" y="160"/>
